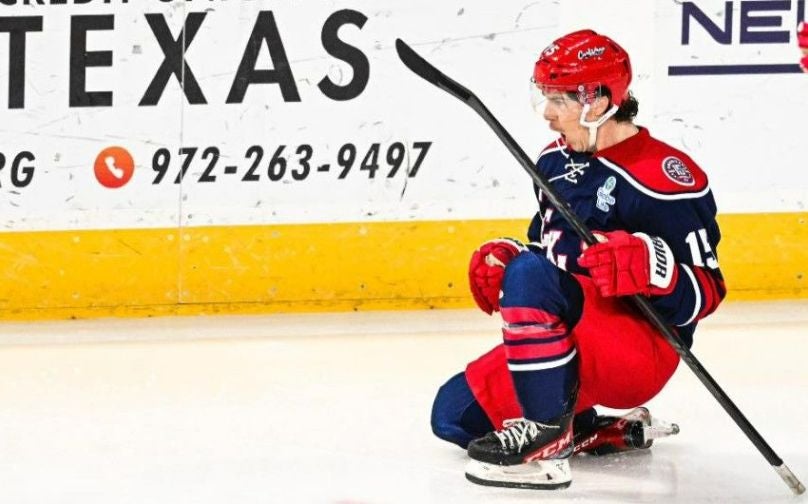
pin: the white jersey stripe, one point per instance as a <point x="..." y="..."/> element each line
<point x="537" y="366"/>
<point x="631" y="180"/>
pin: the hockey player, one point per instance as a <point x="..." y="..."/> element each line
<point x="570" y="341"/>
<point x="802" y="40"/>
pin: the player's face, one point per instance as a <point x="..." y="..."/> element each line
<point x="563" y="114"/>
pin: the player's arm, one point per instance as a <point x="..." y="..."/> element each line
<point x="672" y="261"/>
<point x="693" y="238"/>
<point x="627" y="264"/>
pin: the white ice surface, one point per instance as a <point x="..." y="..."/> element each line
<point x="334" y="408"/>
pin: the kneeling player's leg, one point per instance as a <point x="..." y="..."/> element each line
<point x="457" y="417"/>
<point x="539" y="305"/>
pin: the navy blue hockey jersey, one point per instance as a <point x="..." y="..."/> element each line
<point x="638" y="185"/>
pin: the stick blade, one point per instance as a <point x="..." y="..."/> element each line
<point x="416" y="63"/>
<point x="429" y="73"/>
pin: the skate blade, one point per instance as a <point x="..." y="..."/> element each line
<point x="660" y="429"/>
<point x="653" y="428"/>
<point x="539" y="475"/>
<point x="525" y="486"/>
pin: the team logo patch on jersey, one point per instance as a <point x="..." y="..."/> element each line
<point x="676" y="170"/>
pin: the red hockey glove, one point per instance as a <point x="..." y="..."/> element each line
<point x="802" y="40"/>
<point x="629" y="264"/>
<point x="486" y="269"/>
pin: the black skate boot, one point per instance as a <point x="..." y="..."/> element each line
<point x="524" y="454"/>
<point x="603" y="435"/>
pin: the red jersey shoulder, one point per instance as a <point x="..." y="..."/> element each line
<point x="554" y="146"/>
<point x="658" y="168"/>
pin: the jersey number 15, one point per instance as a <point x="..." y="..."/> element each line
<point x="702" y="252"/>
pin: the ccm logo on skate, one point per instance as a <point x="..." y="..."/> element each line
<point x="551" y="449"/>
<point x="585" y="443"/>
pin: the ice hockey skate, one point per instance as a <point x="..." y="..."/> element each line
<point x="603" y="435"/>
<point x="524" y="454"/>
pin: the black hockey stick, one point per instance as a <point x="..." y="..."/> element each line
<point x="424" y="69"/>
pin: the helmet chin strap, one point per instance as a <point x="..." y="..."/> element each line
<point x="593" y="126"/>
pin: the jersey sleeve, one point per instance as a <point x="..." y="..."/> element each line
<point x="689" y="228"/>
<point x="669" y="197"/>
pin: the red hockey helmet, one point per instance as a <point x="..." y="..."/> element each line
<point x="581" y="62"/>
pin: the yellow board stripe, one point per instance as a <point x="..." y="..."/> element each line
<point x="764" y="256"/>
<point x="318" y="267"/>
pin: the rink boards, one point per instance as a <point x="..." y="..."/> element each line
<point x="317" y="267"/>
<point x="284" y="159"/>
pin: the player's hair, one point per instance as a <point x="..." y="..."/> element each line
<point x="628" y="109"/>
